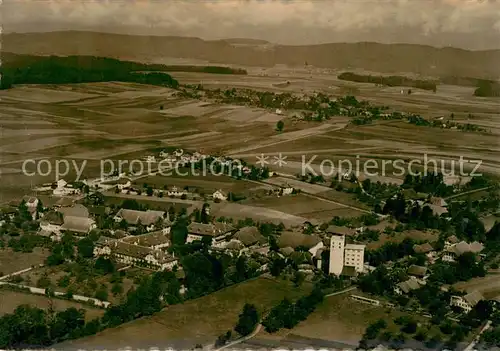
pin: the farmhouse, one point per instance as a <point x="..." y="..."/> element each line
<point x="78" y="224"/>
<point x="218" y="231"/>
<point x="294" y="240"/>
<point x="467" y="302"/>
<point x="133" y="217"/>
<point x="250" y="236"/>
<point x="131" y="254"/>
<point x="342" y="255"/>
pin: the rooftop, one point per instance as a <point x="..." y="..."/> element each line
<point x="296" y="239"/>
<point x="144" y="217"/>
<point x="209" y="229"/>
<point x="250" y="236"/>
<point x="473" y="298"/>
<point x="418" y="271"/>
<point x="77" y="224"/>
<point x="148" y="240"/>
<point x="423" y="248"/>
<point x="77" y="210"/>
<point x="334" y="229"/>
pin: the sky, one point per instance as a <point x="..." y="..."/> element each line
<point x="469" y="24"/>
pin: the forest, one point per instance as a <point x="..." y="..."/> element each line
<point x="26" y="69"/>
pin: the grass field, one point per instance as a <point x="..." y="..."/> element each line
<point x="197" y="321"/>
<point x="83" y="288"/>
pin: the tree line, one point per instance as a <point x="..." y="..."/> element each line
<point x="80" y="69"/>
<point x="392" y="81"/>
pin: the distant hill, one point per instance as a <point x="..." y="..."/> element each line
<point x="384" y="58"/>
<point x="245" y="41"/>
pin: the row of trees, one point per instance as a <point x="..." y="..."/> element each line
<point x="392" y="81"/>
<point x="287" y="314"/>
<point x="80" y="69"/>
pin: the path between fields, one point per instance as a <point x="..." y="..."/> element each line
<point x="282" y="141"/>
<point x="468" y="192"/>
<point x="20" y="272"/>
<point x="322" y="199"/>
<point x="259" y="326"/>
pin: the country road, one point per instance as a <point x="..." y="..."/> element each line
<point x="321" y="130"/>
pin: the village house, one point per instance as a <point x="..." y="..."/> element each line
<point x="131" y="254"/>
<point x="467" y="302"/>
<point x="217" y="231"/>
<point x="134" y="217"/>
<point x="452" y="252"/>
<point x="219" y="195"/>
<point x="176" y="192"/>
<point x="31" y="203"/>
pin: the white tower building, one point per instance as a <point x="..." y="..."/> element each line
<point x="337" y="243"/>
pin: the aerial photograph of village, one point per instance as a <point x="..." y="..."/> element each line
<point x="250" y="175"/>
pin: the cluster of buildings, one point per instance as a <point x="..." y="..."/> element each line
<point x="141" y="250"/>
<point x="75" y="219"/>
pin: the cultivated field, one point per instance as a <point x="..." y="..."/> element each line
<point x="93" y="121"/>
